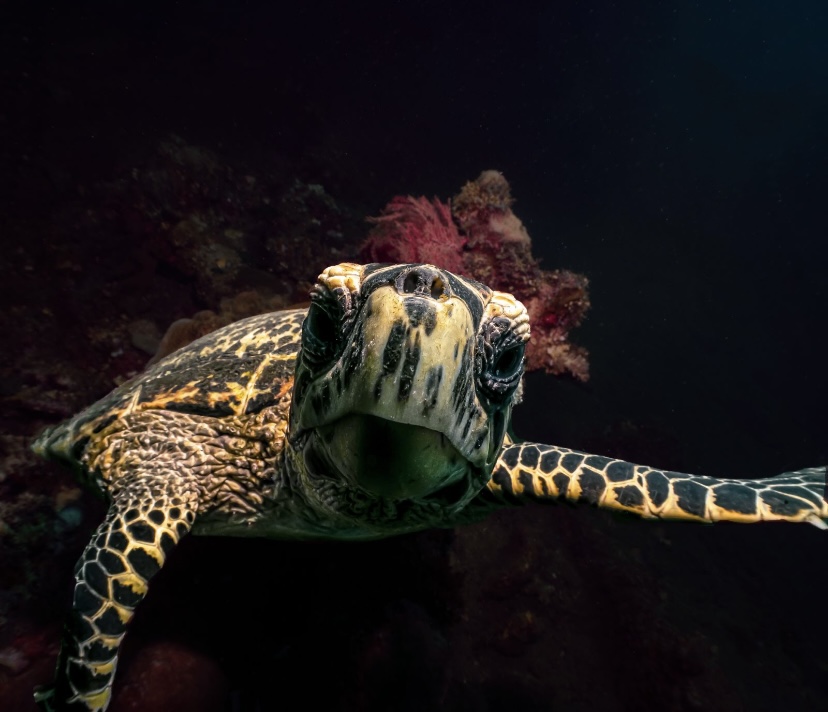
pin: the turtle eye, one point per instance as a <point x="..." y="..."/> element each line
<point x="320" y="324"/>
<point x="501" y="359"/>
<point x="508" y="362"/>
<point x="320" y="335"/>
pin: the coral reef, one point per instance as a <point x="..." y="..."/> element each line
<point x="479" y="235"/>
<point x="476" y="234"/>
<point x="224" y="232"/>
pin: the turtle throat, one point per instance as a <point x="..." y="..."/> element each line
<point x="393" y="460"/>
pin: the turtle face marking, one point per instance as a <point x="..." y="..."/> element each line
<point x="406" y="380"/>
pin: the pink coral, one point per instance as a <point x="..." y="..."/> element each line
<point x="415" y="230"/>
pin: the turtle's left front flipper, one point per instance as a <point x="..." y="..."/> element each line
<point x="531" y="471"/>
<point x="146" y="519"/>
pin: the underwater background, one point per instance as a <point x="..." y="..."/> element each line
<point x="203" y="161"/>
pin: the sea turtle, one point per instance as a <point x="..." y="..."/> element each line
<point x="383" y="408"/>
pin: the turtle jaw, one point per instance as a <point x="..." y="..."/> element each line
<point x="393" y="460"/>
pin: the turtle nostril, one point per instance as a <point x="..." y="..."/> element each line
<point x="424" y="281"/>
<point x="411" y="283"/>
<point x="437" y="288"/>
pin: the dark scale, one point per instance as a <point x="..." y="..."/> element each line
<point x="503" y="479"/>
<point x="117" y="540"/>
<point x="467" y="425"/>
<point x="629" y="496"/>
<point x="141" y="531"/>
<point x="561" y="482"/>
<point x="736" y="497"/>
<point x="511" y="457"/>
<point x="110" y="623"/>
<point x="549" y="460"/>
<point x="460" y="390"/>
<point x="143" y="564"/>
<point x="691" y="497"/>
<point x="356" y="354"/>
<point x="420" y="311"/>
<point x="786" y="481"/>
<point x="618" y="471"/>
<point x="781" y="503"/>
<point x="658" y="487"/>
<point x="111" y="562"/>
<point x="572" y="461"/>
<point x="410" y="362"/>
<point x="592" y="487"/>
<point x="529" y="456"/>
<point x="125" y="595"/>
<point x="432" y="388"/>
<point x="96" y="578"/>
<point x="392" y="352"/>
<point x="526" y="480"/>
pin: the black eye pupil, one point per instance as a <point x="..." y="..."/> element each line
<point x="320" y="324"/>
<point x="507" y="363"/>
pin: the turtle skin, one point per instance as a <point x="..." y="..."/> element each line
<point x="381" y="409"/>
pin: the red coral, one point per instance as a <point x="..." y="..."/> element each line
<point x="557" y="302"/>
<point x="415" y="230"/>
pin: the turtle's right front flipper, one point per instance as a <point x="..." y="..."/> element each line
<point x="148" y="516"/>
<point x="532" y="471"/>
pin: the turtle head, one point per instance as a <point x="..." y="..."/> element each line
<point x="405" y="382"/>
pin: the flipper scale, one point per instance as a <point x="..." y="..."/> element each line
<point x="531" y="471"/>
<point x="146" y="519"/>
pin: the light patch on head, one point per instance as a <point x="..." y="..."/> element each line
<point x="346" y="275"/>
<point x="505" y="305"/>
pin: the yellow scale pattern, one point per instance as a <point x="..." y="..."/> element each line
<point x="111" y="579"/>
<point x="547" y="473"/>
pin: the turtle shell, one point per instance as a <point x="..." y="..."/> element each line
<point x="238" y="369"/>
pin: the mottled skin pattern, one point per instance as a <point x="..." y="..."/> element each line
<point x="380" y="410"/>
